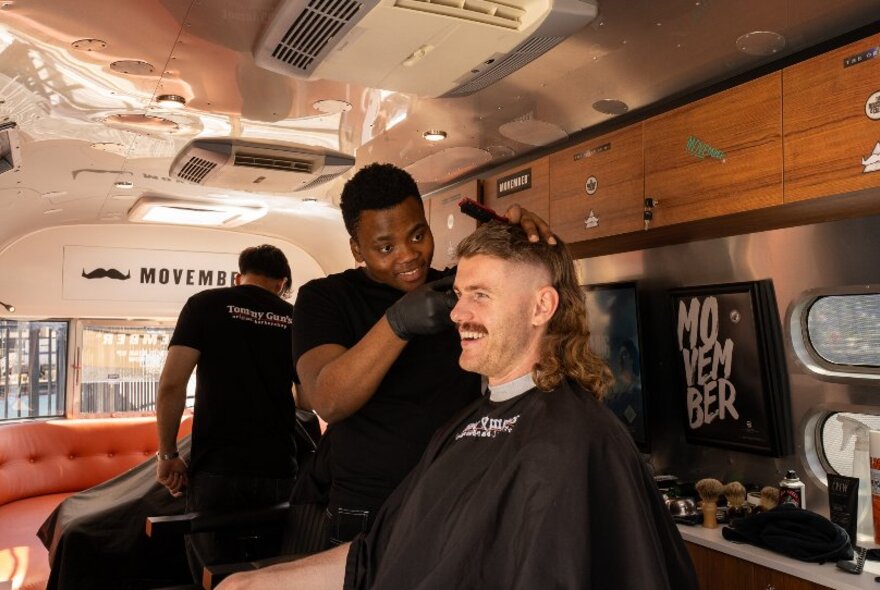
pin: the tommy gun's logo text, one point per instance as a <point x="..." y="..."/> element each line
<point x="487" y="427"/>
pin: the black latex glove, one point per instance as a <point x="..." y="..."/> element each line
<point x="424" y="310"/>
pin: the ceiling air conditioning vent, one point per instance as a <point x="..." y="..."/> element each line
<point x="10" y="158"/>
<point x="261" y="166"/>
<point x="196" y="169"/>
<point x="516" y="59"/>
<point x="478" y="11"/>
<point x="319" y="181"/>
<point x="255" y="161"/>
<point x="423" y="47"/>
<point x="316" y="24"/>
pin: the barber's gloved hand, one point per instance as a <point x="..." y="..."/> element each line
<point x="424" y="310"/>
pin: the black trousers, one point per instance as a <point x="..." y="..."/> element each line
<point x="211" y="492"/>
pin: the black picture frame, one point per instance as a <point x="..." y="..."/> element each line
<point x="732" y="378"/>
<point x="616" y="336"/>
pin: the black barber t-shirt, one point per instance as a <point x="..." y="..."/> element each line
<point x="377" y="446"/>
<point x="245" y="413"/>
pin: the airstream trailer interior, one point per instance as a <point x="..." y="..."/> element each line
<point x="713" y="165"/>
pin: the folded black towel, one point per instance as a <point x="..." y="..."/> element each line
<point x="794" y="532"/>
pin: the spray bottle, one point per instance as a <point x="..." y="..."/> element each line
<point x="861" y="468"/>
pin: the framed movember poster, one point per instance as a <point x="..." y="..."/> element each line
<point x="732" y="384"/>
<point x="613" y="318"/>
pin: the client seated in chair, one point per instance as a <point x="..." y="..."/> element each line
<point x="535" y="485"/>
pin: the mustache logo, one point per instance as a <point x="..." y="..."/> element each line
<point x="109" y="273"/>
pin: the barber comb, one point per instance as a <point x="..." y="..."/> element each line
<point x="479" y="212"/>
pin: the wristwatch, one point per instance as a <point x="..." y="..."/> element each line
<point x="167" y="456"/>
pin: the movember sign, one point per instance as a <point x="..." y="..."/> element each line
<point x="731" y="363"/>
<point x="127" y="274"/>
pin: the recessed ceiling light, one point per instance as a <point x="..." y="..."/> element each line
<point x="434" y="135"/>
<point x="331" y="106"/>
<point x="123" y="184"/>
<point x="134" y="67"/>
<point x="309" y="200"/>
<point x="183" y="212"/>
<point x="109" y="146"/>
<point x="761" y="43"/>
<point x="51" y="211"/>
<point x="168" y="123"/>
<point x="53" y="194"/>
<point x="89" y="44"/>
<point x="610" y="106"/>
<point x="170" y="101"/>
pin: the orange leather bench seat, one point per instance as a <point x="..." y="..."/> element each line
<point x="43" y="462"/>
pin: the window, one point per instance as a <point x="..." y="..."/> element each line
<point x="835" y="333"/>
<point x="844" y="330"/>
<point x="33" y="364"/>
<point x="121" y="364"/>
<point x="838" y="450"/>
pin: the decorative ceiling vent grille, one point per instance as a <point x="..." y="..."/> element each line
<point x="267" y="162"/>
<point x="314" y="27"/>
<point x="196" y="169"/>
<point x="528" y="51"/>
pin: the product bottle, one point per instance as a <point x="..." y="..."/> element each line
<point x="874" y="436"/>
<point x="791" y="489"/>
<point x="861" y="468"/>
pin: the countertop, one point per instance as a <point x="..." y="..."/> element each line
<point x="827" y="574"/>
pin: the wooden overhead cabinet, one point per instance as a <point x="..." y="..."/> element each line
<point x="831" y="122"/>
<point x="448" y="224"/>
<point x="597" y="187"/>
<point x="716" y="156"/>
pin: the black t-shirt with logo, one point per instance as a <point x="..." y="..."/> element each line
<point x="244" y="416"/>
<point x="375" y="448"/>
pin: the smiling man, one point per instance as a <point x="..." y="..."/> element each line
<point x="374" y="348"/>
<point x="537" y="484"/>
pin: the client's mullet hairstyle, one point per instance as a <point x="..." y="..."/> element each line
<point x="566" y="349"/>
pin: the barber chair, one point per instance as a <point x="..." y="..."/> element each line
<point x="301" y="523"/>
<point x="302" y="526"/>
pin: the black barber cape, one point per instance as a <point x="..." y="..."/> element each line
<point x="96" y="538"/>
<point x="545" y="490"/>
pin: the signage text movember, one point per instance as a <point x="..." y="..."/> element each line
<point x="707" y="363"/>
<point x="186" y="276"/>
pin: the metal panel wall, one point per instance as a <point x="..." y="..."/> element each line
<point x="827" y="255"/>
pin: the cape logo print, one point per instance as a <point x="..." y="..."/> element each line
<point x="488" y="428"/>
<point x="263" y="318"/>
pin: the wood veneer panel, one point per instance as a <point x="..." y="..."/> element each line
<point x="615" y="164"/>
<point x="827" y="131"/>
<point x="742" y="124"/>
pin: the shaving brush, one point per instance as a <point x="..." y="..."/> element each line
<point x="735" y="493"/>
<point x="769" y="498"/>
<point x="709" y="490"/>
